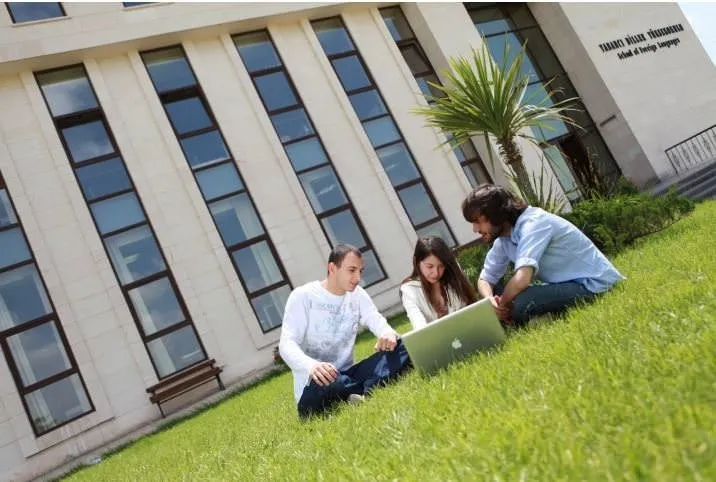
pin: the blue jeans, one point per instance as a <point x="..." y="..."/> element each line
<point x="538" y="300"/>
<point x="361" y="378"/>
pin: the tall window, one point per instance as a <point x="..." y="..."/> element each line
<point x="305" y="150"/>
<point x="381" y="129"/>
<point x="147" y="283"/>
<point x="254" y="256"/>
<point x="570" y="147"/>
<point x="423" y="71"/>
<point x="33" y="342"/>
<point x="29" y="11"/>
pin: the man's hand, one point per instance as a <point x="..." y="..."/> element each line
<point x="503" y="312"/>
<point x="323" y="373"/>
<point x="386" y="342"/>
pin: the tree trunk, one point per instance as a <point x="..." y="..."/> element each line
<point x="510" y="152"/>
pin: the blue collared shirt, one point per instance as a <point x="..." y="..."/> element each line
<point x="555" y="248"/>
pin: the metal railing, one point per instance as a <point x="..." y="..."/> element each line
<point x="694" y="151"/>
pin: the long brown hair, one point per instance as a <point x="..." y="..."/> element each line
<point x="452" y="277"/>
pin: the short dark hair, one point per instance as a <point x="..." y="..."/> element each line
<point x="340" y="251"/>
<point x="496" y="203"/>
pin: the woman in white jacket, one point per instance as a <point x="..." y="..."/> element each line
<point x="437" y="285"/>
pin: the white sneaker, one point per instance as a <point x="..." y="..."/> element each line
<point x="355" y="399"/>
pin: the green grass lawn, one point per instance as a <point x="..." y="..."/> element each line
<point x="623" y="389"/>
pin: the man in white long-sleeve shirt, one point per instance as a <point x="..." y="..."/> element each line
<point x="320" y="324"/>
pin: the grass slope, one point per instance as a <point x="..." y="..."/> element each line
<point x="623" y="389"/>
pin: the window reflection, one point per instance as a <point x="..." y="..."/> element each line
<point x="57" y="403"/>
<point x="103" y="178"/>
<point x="333" y="36"/>
<point x="33" y="11"/>
<point x="236" y="218"/>
<point x="156" y="305"/>
<point x="13" y="248"/>
<point x="351" y="73"/>
<point x="117" y="212"/>
<point x="270" y="306"/>
<point x="135" y="254"/>
<point x="168" y="69"/>
<point x="257" y="266"/>
<point x="275" y="91"/>
<point x="188" y="115"/>
<point x="257" y="51"/>
<point x="87" y="141"/>
<point x="176" y="351"/>
<point x="218" y="181"/>
<point x="398" y="164"/>
<point x="322" y="188"/>
<point x="292" y="125"/>
<point x="342" y="228"/>
<point x="418" y="204"/>
<point x="205" y="149"/>
<point x="305" y="154"/>
<point x="22" y="297"/>
<point x="38" y="353"/>
<point x="67" y="91"/>
<point x="7" y="213"/>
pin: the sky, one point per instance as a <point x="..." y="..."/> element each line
<point x="702" y="17"/>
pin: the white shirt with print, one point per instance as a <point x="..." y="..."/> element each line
<point x="319" y="326"/>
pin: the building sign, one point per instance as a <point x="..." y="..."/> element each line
<point x="645" y="42"/>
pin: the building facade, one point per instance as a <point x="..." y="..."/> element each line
<point x="170" y="171"/>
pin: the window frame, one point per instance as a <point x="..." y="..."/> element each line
<point x="373" y="85"/>
<point x="300" y="105"/>
<point x="474" y="163"/>
<point x="15" y="22"/>
<point x="91" y="115"/>
<point x="197" y="91"/>
<point x="51" y="317"/>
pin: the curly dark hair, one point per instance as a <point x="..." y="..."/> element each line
<point x="496" y="203"/>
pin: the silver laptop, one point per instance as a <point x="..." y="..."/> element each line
<point x="454" y="336"/>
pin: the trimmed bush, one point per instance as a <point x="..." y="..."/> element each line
<point x="471" y="260"/>
<point x="614" y="223"/>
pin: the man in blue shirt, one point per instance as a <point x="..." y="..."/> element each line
<point x="543" y="247"/>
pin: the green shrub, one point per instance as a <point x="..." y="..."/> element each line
<point x="614" y="223"/>
<point x="471" y="259"/>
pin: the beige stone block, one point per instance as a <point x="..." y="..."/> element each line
<point x="208" y="282"/>
<point x="11" y="456"/>
<point x="21" y="425"/>
<point x="110" y="352"/>
<point x="78" y="344"/>
<point x="6" y="433"/>
<point x="75" y="268"/>
<point x="126" y="392"/>
<point x="84" y="288"/>
<point x="95" y="315"/>
<point x="12" y="403"/>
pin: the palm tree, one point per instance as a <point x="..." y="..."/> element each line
<point x="484" y="97"/>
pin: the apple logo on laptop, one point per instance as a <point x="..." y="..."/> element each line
<point x="456" y="344"/>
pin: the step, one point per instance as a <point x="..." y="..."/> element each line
<point x="707" y="193"/>
<point x="684" y="179"/>
<point x="695" y="191"/>
<point x="700" y="177"/>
